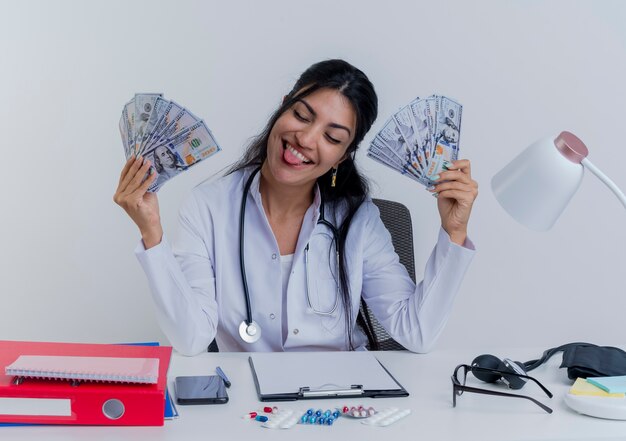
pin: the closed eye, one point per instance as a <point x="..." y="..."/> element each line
<point x="333" y="140"/>
<point x="299" y="116"/>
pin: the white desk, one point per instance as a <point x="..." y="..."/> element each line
<point x="426" y="377"/>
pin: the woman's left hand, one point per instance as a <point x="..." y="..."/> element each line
<point x="456" y="194"/>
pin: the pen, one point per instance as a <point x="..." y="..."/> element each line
<point x="221" y="373"/>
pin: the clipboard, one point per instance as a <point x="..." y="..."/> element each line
<point x="289" y="376"/>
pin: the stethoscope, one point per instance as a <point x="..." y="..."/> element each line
<point x="249" y="330"/>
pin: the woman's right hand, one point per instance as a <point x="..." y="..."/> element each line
<point x="142" y="206"/>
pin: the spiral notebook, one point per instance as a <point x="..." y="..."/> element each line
<point x="105" y="369"/>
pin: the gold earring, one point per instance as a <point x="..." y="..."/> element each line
<point x="333" y="179"/>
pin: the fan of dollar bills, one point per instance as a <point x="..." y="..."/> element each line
<point x="421" y="139"/>
<point x="167" y="134"/>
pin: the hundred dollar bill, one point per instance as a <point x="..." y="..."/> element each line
<point x="128" y="114"/>
<point x="448" y="127"/>
<point x="124" y="132"/>
<point x="171" y="112"/>
<point x="181" y="153"/>
<point x="381" y="154"/>
<point x="392" y="139"/>
<point x="405" y="123"/>
<point x="400" y="163"/>
<point x="166" y="133"/>
<point x="421" y="139"/>
<point x="160" y="107"/>
<point x="197" y="145"/>
<point x="178" y="124"/>
<point x="447" y="135"/>
<point x="178" y="137"/>
<point x="430" y="113"/>
<point x="423" y="132"/>
<point x="386" y="163"/>
<point x="144" y="107"/>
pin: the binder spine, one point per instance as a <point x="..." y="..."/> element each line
<point x="103" y="407"/>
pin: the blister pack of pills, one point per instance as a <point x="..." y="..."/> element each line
<point x="359" y="411"/>
<point x="282" y="419"/>
<point x="320" y="417"/>
<point x="386" y="417"/>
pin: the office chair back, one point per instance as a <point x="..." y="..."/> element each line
<point x="397" y="219"/>
<point x="213" y="347"/>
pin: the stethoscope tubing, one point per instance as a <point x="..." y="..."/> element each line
<point x="248" y="324"/>
<point x="242" y="263"/>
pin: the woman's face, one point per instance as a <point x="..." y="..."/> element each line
<point x="310" y="138"/>
<point x="165" y="157"/>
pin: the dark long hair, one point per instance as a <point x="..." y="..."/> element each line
<point x="351" y="187"/>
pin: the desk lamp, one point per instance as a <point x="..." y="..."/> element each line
<point x="536" y="186"/>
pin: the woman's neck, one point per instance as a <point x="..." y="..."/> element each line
<point x="281" y="201"/>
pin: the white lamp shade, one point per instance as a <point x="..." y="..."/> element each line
<point x="537" y="185"/>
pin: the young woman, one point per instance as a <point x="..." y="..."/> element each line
<point x="277" y="254"/>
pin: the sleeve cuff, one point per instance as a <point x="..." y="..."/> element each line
<point x="444" y="238"/>
<point x="142" y="253"/>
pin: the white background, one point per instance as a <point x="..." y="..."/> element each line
<point x="522" y="69"/>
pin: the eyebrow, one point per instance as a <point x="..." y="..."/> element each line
<point x="334" y="125"/>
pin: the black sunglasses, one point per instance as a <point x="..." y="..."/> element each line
<point x="458" y="386"/>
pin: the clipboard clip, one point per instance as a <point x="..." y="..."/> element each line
<point x="354" y="390"/>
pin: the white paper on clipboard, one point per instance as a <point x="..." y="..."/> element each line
<point x="288" y="372"/>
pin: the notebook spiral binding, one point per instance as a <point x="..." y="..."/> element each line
<point x="85" y="369"/>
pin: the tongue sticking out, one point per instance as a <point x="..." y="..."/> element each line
<point x="290" y="158"/>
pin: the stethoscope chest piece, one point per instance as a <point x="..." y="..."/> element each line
<point x="250" y="333"/>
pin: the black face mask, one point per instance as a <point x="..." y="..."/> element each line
<point x="586" y="360"/>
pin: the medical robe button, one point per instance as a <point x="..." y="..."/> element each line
<point x="295" y="331"/>
<point x="272" y="316"/>
<point x="274" y="256"/>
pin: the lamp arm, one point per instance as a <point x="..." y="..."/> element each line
<point x="604" y="178"/>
